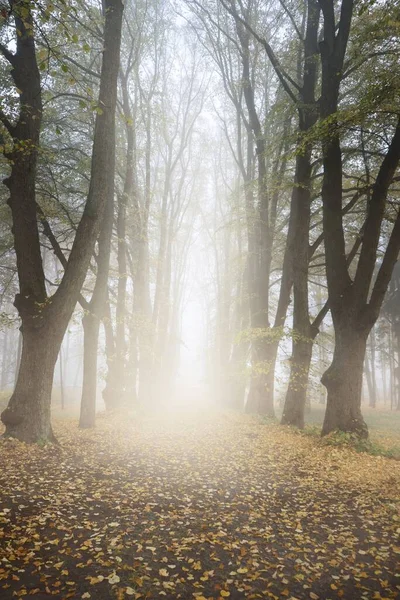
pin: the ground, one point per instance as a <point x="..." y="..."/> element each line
<point x="196" y="505"/>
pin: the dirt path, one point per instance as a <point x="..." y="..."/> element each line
<point x="193" y="506"/>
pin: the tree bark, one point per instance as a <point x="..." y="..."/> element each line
<point x="91" y="327"/>
<point x="4" y="361"/>
<point x="354" y="305"/>
<point x="27" y="416"/>
<point x="261" y="393"/>
<point x="343" y="381"/>
<point x="44" y="320"/>
<point x="117" y="380"/>
<point x="296" y="397"/>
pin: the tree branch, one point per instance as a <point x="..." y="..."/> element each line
<point x="292" y="20"/>
<point x="283" y="76"/>
<point x="57" y="248"/>
<point x="7" y="54"/>
<point x="7" y="124"/>
<point x="385" y="272"/>
<point x="376" y="210"/>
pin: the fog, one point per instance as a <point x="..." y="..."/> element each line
<point x="200" y="299"/>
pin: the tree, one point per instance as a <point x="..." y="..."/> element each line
<point x="45" y="318"/>
<point x="355" y="302"/>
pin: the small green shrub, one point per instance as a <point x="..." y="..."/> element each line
<point x="351" y="440"/>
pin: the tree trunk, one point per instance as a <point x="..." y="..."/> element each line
<point x="260" y="399"/>
<point x="91" y="324"/>
<point x="343" y="381"/>
<point x="397" y="369"/>
<point x="117" y="379"/>
<point x="110" y="355"/>
<point x="373" y="368"/>
<point x="18" y="357"/>
<point x="296" y="397"/>
<point x="45" y="320"/>
<point x="27" y="416"/>
<point x="62" y="390"/>
<point x="91" y="327"/>
<point x="367" y="371"/>
<point x="4" y="362"/>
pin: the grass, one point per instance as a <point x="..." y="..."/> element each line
<point x="384" y="432"/>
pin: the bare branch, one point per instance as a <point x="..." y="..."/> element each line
<point x="283" y="76"/>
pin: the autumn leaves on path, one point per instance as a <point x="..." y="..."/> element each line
<point x="196" y="506"/>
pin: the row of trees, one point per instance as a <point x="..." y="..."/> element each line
<point x="122" y="148"/>
<point x="313" y="97"/>
<point x="102" y="119"/>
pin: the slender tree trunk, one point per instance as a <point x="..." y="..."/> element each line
<point x="18" y="356"/>
<point x="383" y="373"/>
<point x="117" y="376"/>
<point x="4" y="362"/>
<point x="164" y="376"/>
<point x="261" y="394"/>
<point x="237" y="365"/>
<point x="109" y="350"/>
<point x="141" y="326"/>
<point x="91" y="322"/>
<point x="91" y="327"/>
<point x="296" y="397"/>
<point x="61" y="366"/>
<point x="391" y="369"/>
<point x="302" y="339"/>
<point x="397" y="370"/>
<point x="373" y="368"/>
<point x="367" y="371"/>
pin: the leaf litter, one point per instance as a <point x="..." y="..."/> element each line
<point x="199" y="507"/>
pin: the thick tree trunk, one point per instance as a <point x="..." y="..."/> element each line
<point x="27" y="415"/>
<point x="91" y="327"/>
<point x="45" y="320"/>
<point x="343" y="381"/>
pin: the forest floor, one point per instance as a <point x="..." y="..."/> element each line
<point x="196" y="506"/>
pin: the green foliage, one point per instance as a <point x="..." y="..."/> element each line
<point x="253" y="334"/>
<point x="350" y="440"/>
<point x="345" y="439"/>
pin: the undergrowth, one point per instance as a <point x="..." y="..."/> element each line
<point x="346" y="439"/>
